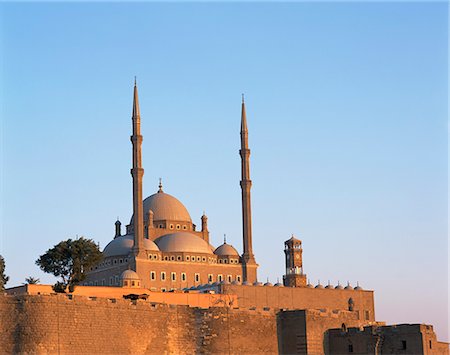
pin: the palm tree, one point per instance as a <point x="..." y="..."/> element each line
<point x="31" y="281"/>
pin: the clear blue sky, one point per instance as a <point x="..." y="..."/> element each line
<point x="347" y="111"/>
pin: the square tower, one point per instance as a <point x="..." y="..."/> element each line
<point x="294" y="276"/>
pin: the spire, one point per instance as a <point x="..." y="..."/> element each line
<point x="160" y="187"/>
<point x="137" y="172"/>
<point x="224" y="239"/>
<point x="136" y="112"/>
<point x="243" y="117"/>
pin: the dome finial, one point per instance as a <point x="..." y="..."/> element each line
<point x="160" y="186"/>
<point x="243" y="101"/>
<point x="224" y="239"/>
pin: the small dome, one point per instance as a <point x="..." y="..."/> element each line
<point x="123" y="246"/>
<point x="348" y="287"/>
<point x="182" y="242"/>
<point x="226" y="250"/>
<point x="279" y="285"/>
<point x="339" y="287"/>
<point x="129" y="275"/>
<point x="358" y="288"/>
<point x="319" y="286"/>
<point x="165" y="207"/>
<point x="256" y="283"/>
<point x="235" y="282"/>
<point x="309" y="285"/>
<point x="268" y="284"/>
<point x="330" y="287"/>
<point x="246" y="283"/>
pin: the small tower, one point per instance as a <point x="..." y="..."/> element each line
<point x="118" y="228"/>
<point x="205" y="232"/>
<point x="294" y="264"/>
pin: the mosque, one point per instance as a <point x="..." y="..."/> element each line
<point x="162" y="244"/>
<point x="163" y="288"/>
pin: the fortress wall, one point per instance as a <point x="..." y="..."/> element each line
<point x="303" y="331"/>
<point x="396" y="339"/>
<point x="303" y="298"/>
<point x="57" y="324"/>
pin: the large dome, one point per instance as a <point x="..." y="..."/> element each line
<point x="165" y="207"/>
<point x="182" y="242"/>
<point x="123" y="245"/>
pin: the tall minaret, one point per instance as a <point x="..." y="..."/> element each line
<point x="249" y="273"/>
<point x="137" y="172"/>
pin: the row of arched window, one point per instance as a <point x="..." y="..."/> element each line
<point x="163" y="276"/>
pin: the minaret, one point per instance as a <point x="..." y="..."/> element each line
<point x="249" y="273"/>
<point x="137" y="172"/>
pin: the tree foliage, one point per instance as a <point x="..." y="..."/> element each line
<point x="70" y="260"/>
<point x="3" y="278"/>
<point x="31" y="281"/>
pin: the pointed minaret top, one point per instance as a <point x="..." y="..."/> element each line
<point x="160" y="186"/>
<point x="136" y="111"/>
<point x="243" y="117"/>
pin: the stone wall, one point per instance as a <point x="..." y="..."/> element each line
<point x="302" y="331"/>
<point x="58" y="324"/>
<point x="395" y="339"/>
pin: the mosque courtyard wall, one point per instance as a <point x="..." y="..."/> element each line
<point x="304" y="298"/>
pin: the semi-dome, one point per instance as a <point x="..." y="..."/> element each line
<point x="182" y="242"/>
<point x="226" y="250"/>
<point x="123" y="245"/>
<point x="165" y="207"/>
<point x="129" y="275"/>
